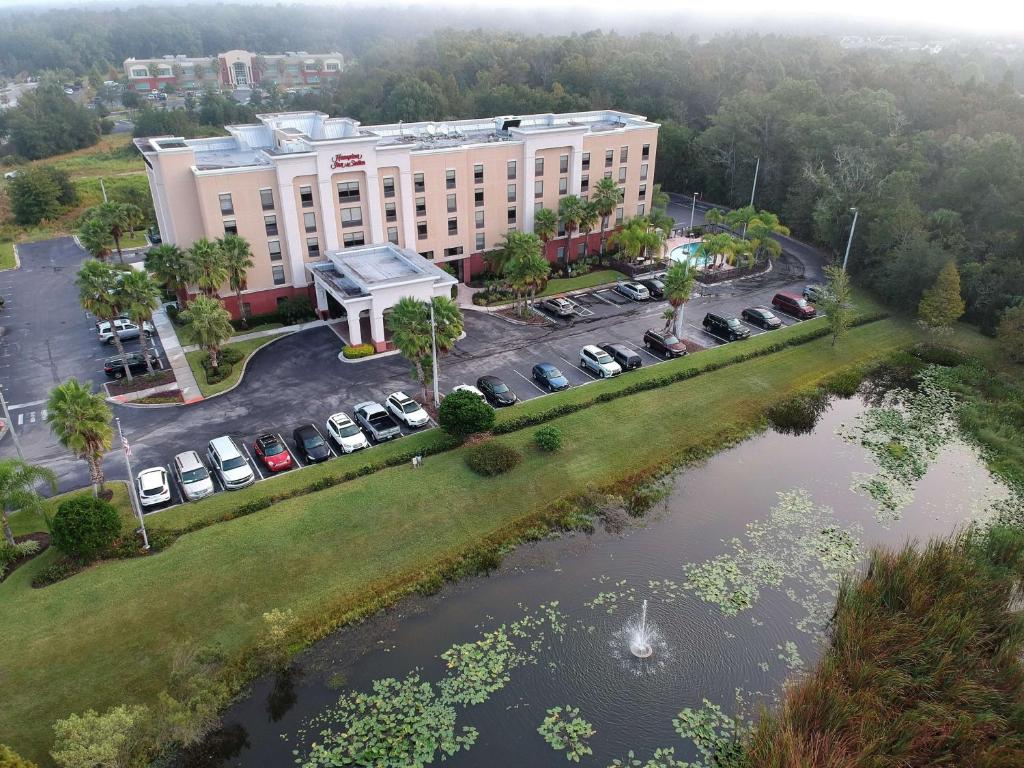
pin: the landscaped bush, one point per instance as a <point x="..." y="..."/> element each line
<point x="939" y="354"/>
<point x="462" y="414"/>
<point x="85" y="526"/>
<point x="548" y="438"/>
<point x="357" y="351"/>
<point x="59" y="570"/>
<point x="844" y="384"/>
<point x="295" y="310"/>
<point x="492" y="458"/>
<point x="10" y="553"/>
<point x="11" y="759"/>
<point x="799" y="414"/>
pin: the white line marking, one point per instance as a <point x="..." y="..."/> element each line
<point x="650" y="354"/>
<point x="21" y="419"/>
<point x="254" y="464"/>
<point x="530" y="381"/>
<point x="295" y="459"/>
<point x="757" y="331"/>
<point x="174" y="485"/>
<point x="19" y="406"/>
<point x="32" y="417"/>
<point x="42" y="414"/>
<point x="597" y="295"/>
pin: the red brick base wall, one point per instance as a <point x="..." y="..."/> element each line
<point x="476" y="263"/>
<point x="263" y="302"/>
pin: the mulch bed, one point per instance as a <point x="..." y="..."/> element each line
<point x="533" y="318"/>
<point x="44" y="544"/>
<point x="164" y="398"/>
<point x="123" y="386"/>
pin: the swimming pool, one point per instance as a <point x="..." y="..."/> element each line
<point x="686" y="252"/>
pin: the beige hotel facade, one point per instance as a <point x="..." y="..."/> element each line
<point x="299" y="186"/>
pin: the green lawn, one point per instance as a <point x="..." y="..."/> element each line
<point x="112" y="155"/>
<point x="23" y="522"/>
<point x="589" y="280"/>
<point x="246" y="347"/>
<point x="6" y="255"/>
<point x="185" y="337"/>
<point x="107" y="635"/>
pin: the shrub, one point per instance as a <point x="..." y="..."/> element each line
<point x="56" y="571"/>
<point x="357" y="351"/>
<point x="939" y="354"/>
<point x="91" y="739"/>
<point x="492" y="458"/>
<point x="85" y="526"/>
<point x="295" y="310"/>
<point x="548" y="438"/>
<point x="10" y="553"/>
<point x="798" y="414"/>
<point x="230" y="355"/>
<point x="844" y="384"/>
<point x="11" y="759"/>
<point x="462" y="414"/>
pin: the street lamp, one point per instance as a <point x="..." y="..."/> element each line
<point x="693" y="208"/>
<point x="433" y="352"/>
<point x="753" y="188"/>
<point x="849" y="242"/>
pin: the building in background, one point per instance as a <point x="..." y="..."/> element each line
<point x="298" y="185"/>
<point x="233" y="69"/>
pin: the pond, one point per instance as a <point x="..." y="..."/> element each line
<point x="739" y="565"/>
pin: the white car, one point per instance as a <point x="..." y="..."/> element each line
<point x="153" y="486"/>
<point x="471" y="389"/>
<point x="229" y="463"/>
<point x="593" y="358"/>
<point x="406" y="410"/>
<point x="346" y="433"/>
<point x="126" y="329"/>
<point x="634" y="291"/>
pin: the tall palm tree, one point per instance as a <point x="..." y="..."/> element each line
<point x="119" y="219"/>
<point x="18" y="481"/>
<point x="761" y="230"/>
<point x="714" y="217"/>
<point x="528" y="276"/>
<point x="630" y="239"/>
<point x="141" y="296"/>
<point x="409" y="323"/>
<point x="100" y="293"/>
<point x="95" y="237"/>
<point x="238" y="261"/>
<point x="516" y="247"/>
<point x="80" y="419"/>
<point x="606" y="198"/>
<point x="545" y="224"/>
<point x="722" y="244"/>
<point x="171" y="266"/>
<point x="589" y="220"/>
<point x="678" y="286"/>
<point x="659" y="199"/>
<point x="209" y="268"/>
<point x="570" y="211"/>
<point x="210" y="324"/>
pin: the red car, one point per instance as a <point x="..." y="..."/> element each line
<point x="271" y="451"/>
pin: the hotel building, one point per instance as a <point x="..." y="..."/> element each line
<point x="234" y="69"/>
<point x="299" y="186"/>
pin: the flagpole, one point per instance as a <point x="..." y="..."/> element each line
<point x="136" y="507"/>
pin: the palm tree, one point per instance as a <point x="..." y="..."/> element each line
<point x="141" y="296"/>
<point x="589" y="220"/>
<point x="100" y="293"/>
<point x="208" y="268"/>
<point x="606" y="198"/>
<point x="678" y="286"/>
<point x="630" y="239"/>
<point x="95" y="237"/>
<point x="714" y="217"/>
<point x="80" y="419"/>
<point x="722" y="244"/>
<point x="659" y="199"/>
<point x="171" y="266"/>
<point x="409" y="323"/>
<point x="545" y="224"/>
<point x="210" y="324"/>
<point x="119" y="219"/>
<point x="760" y="230"/>
<point x="18" y="480"/>
<point x="516" y="247"/>
<point x="238" y="261"/>
<point x="570" y="211"/>
<point x="529" y="275"/>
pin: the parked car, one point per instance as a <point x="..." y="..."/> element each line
<point x="727" y="328"/>
<point x="229" y="463"/>
<point x="664" y="343"/>
<point x="193" y="476"/>
<point x="271" y="450"/>
<point x="406" y="410"/>
<point x="153" y="486"/>
<point x="161" y="97"/>
<point x="634" y="291"/>
<point x="627" y="358"/>
<point x="471" y="389"/>
<point x="558" y="306"/>
<point x="794" y="305"/>
<point x="762" y="317"/>
<point x="154" y="236"/>
<point x="595" y="359"/>
<point x="311" y="444"/>
<point x="346" y="433"/>
<point x="549" y="377"/>
<point x="126" y="329"/>
<point x="375" y="419"/>
<point x="814" y="293"/>
<point x="496" y="391"/>
<point x="654" y="287"/>
<point x="114" y="366"/>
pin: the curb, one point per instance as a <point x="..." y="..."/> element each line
<point x="128" y="398"/>
<point x="241" y="376"/>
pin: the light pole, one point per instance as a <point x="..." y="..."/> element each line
<point x="126" y="449"/>
<point x="433" y="353"/>
<point x="693" y="208"/>
<point x="849" y="242"/>
<point x="10" y="425"/>
<point x="753" y="189"/>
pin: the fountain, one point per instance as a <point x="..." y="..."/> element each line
<point x="641" y="636"/>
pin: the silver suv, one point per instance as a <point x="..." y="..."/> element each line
<point x="229" y="463"/>
<point x="192" y="476"/>
<point x="593" y="358"/>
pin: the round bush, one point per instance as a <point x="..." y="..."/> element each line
<point x="84" y="527"/>
<point x="11" y="759"/>
<point x="548" y="438"/>
<point x="462" y="414"/>
<point x="799" y="414"/>
<point x="492" y="458"/>
<point x="358" y="351"/>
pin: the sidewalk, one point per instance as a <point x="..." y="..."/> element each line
<point x="264" y="334"/>
<point x="176" y="357"/>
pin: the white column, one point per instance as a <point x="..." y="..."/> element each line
<point x="321" y="298"/>
<point x="377" y="329"/>
<point x="408" y="209"/>
<point x="373" y="207"/>
<point x="355" y="331"/>
<point x="328" y="211"/>
<point x="528" y="162"/>
<point x="289" y="220"/>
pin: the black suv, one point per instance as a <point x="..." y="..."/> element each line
<point x="730" y="329"/>
<point x="627" y="358"/>
<point x="114" y="368"/>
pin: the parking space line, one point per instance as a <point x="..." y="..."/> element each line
<point x="650" y="354"/>
<point x="757" y="331"/>
<point x="254" y="464"/>
<point x="174" y="486"/>
<point x="295" y="459"/>
<point x="329" y="446"/>
<point x="216" y="479"/>
<point x="529" y="381"/>
<point x="597" y="295"/>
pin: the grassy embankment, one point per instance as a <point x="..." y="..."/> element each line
<point x="6" y="255"/>
<point x="108" y="634"/>
<point x="246" y="348"/>
<point x="589" y="280"/>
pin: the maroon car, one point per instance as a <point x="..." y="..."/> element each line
<point x="664" y="343"/>
<point x="793" y="304"/>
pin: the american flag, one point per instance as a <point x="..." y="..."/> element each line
<point x="127" y="447"/>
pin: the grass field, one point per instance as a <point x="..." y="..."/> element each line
<point x="107" y="635"/>
<point x="113" y="155"/>
<point x="185" y="337"/>
<point x="23" y="522"/>
<point x="589" y="280"/>
<point x="245" y="347"/>
<point x="6" y="255"/>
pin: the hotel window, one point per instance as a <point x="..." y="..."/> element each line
<point x="538" y="188"/>
<point x="270" y="222"/>
<point x="267" y="199"/>
<point x="393" y="235"/>
<point x="618" y="215"/>
<point x="246" y="309"/>
<point x="538" y="166"/>
<point x="563" y="185"/>
<point x="640" y="210"/>
<point x="561" y="229"/>
<point x="479" y="219"/>
<point x="511" y="193"/>
<point x="274" y="247"/>
<point x="561" y="252"/>
<point x="538" y="206"/>
<point x="622" y="174"/>
<point x="352" y="217"/>
<point x="421" y="206"/>
<point x="622" y="194"/>
<point x="643" y="192"/>
<point x="353" y="238"/>
<point x="646" y="152"/>
<point x="585" y="184"/>
<point x="309" y="221"/>
<point x="390" y="213"/>
<point x="230" y="227"/>
<point x="511" y="169"/>
<point x="478" y="198"/>
<point x="226" y="206"/>
<point x="421" y="230"/>
<point x="312" y="247"/>
<point x="586" y="161"/>
<point x="643" y="172"/>
<point x="512" y="215"/>
<point x="417" y="182"/>
<point x="453" y="226"/>
<point x="348" y="191"/>
<point x="609" y="156"/>
<point x="449" y="179"/>
<point x="623" y="154"/>
<point x="389" y="186"/>
<point x="607" y="174"/>
<point x="306" y="196"/>
<point x="332" y="66"/>
<point x="452" y="204"/>
<point x="581" y="250"/>
<point x="427" y="255"/>
<point x="511" y="227"/>
<point x="278" y="272"/>
<point x="481" y="241"/>
<point x="563" y="163"/>
<point x="453" y="251"/>
<point x="478" y="173"/>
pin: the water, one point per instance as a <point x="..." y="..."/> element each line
<point x="686" y="252"/>
<point x="760" y="531"/>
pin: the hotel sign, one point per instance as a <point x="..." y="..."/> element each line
<point x="347" y="161"/>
